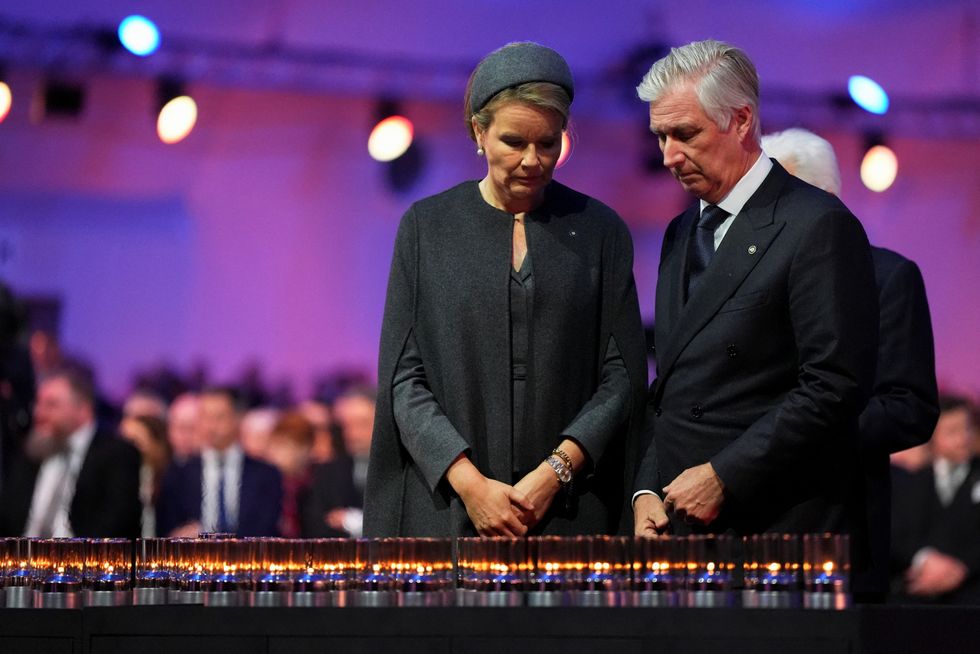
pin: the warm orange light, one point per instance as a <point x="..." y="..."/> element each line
<point x="774" y="567"/>
<point x="390" y="138"/>
<point x="177" y="119"/>
<point x="828" y="567"/>
<point x="6" y="100"/>
<point x="879" y="168"/>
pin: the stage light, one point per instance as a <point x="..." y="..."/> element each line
<point x="178" y="113"/>
<point x="139" y="35"/>
<point x="879" y="168"/>
<point x="6" y="99"/>
<point x="390" y="138"/>
<point x="566" y="149"/>
<point x="868" y="94"/>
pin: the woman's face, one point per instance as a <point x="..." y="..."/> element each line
<point x="522" y="145"/>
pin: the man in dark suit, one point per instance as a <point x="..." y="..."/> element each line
<point x="936" y="526"/>
<point x="221" y="490"/>
<point x="903" y="410"/>
<point x="766" y="323"/>
<point x="72" y="480"/>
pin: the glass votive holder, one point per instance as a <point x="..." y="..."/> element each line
<point x="502" y="571"/>
<point x="467" y="576"/>
<point x="226" y="565"/>
<point x="15" y="566"/>
<point x="333" y="570"/>
<point x="272" y="567"/>
<point x="152" y="580"/>
<point x="424" y="573"/>
<point x="710" y="564"/>
<point x="550" y="558"/>
<point x="771" y="568"/>
<point x="59" y="566"/>
<point x="190" y="565"/>
<point x="108" y="576"/>
<point x="606" y="579"/>
<point x="375" y="583"/>
<point x="826" y="571"/>
<point x="659" y="570"/>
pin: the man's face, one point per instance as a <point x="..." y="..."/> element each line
<point x="184" y="426"/>
<point x="705" y="159"/>
<point x="355" y="414"/>
<point x="58" y="412"/>
<point x="954" y="435"/>
<point x="219" y="421"/>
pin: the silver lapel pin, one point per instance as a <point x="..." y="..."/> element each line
<point x="752" y="249"/>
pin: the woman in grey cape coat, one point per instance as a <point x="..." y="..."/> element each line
<point x="512" y="368"/>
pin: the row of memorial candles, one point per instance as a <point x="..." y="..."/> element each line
<point x="776" y="570"/>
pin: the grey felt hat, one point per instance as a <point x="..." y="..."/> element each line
<point x="518" y="63"/>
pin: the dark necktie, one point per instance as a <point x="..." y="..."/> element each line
<point x="703" y="245"/>
<point x="223" y="525"/>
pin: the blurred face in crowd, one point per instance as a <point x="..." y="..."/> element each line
<point x="59" y="411"/>
<point x="184" y="426"/>
<point x="144" y="404"/>
<point x="256" y="429"/>
<point x="705" y="159"/>
<point x="219" y="421"/>
<point x="290" y="456"/>
<point x="355" y="415"/>
<point x="954" y="436"/>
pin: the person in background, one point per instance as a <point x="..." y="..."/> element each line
<point x="148" y="434"/>
<point x="145" y="402"/>
<point x="73" y="479"/>
<point x="289" y="449"/>
<point x="222" y="490"/>
<point x="936" y="522"/>
<point x="183" y="427"/>
<point x="903" y="409"/>
<point x="257" y="425"/>
<point x="327" y="440"/>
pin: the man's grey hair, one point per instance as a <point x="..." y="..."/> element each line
<point x="806" y="155"/>
<point x="724" y="80"/>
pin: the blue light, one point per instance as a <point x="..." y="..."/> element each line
<point x="139" y="35"/>
<point x="868" y="94"/>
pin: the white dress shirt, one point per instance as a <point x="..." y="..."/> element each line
<point x="56" y="484"/>
<point x="232" y="460"/>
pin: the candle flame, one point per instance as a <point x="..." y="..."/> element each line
<point x="828" y="567"/>
<point x="773" y="567"/>
<point x="711" y="567"/>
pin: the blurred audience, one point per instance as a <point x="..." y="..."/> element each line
<point x="71" y="479"/>
<point x="327" y="441"/>
<point x="256" y="428"/>
<point x="16" y="380"/>
<point x="936" y="515"/>
<point x="145" y="402"/>
<point x="289" y="449"/>
<point x="183" y="427"/>
<point x="223" y="489"/>
<point x="354" y="414"/>
<point x="148" y="434"/>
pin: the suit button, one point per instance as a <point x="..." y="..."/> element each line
<point x="653" y="349"/>
<point x="697" y="411"/>
<point x="732" y="351"/>
<point x="658" y="412"/>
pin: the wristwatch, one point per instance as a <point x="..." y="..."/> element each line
<point x="561" y="469"/>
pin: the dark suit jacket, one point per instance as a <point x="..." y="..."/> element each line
<point x="106" y="503"/>
<point x="333" y="488"/>
<point x="904" y="408"/>
<point x="259" y="503"/>
<point x="920" y="520"/>
<point x="765" y="369"/>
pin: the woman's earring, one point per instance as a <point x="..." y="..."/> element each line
<point x="479" y="152"/>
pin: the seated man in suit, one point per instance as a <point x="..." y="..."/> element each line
<point x="904" y="408"/>
<point x="936" y="521"/>
<point x="221" y="490"/>
<point x="72" y="479"/>
<point x="766" y="324"/>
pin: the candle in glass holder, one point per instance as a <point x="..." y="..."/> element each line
<point x="606" y="580"/>
<point x="659" y="570"/>
<point x="709" y="574"/>
<point x="272" y="572"/>
<point x="375" y="583"/>
<point x="550" y="558"/>
<point x="502" y="571"/>
<point x="15" y="566"/>
<point x="772" y="571"/>
<point x="59" y="565"/>
<point x="826" y="571"/>
<point x="226" y="568"/>
<point x="423" y="573"/>
<point x="152" y="579"/>
<point x="108" y="572"/>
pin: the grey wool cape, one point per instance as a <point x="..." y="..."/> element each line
<point x="449" y="291"/>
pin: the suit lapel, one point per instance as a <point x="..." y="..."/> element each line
<point x="670" y="288"/>
<point x="743" y="247"/>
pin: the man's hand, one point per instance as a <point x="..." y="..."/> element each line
<point x="187" y="530"/>
<point x="540" y="487"/>
<point x="649" y="516"/>
<point x="696" y="495"/>
<point x="936" y="574"/>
